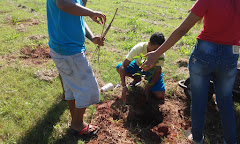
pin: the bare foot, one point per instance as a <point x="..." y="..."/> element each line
<point x="85" y="129"/>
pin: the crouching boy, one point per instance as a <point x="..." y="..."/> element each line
<point x="131" y="67"/>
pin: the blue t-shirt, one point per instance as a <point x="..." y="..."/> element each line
<point x="66" y="31"/>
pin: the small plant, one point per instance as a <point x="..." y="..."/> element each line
<point x="141" y="58"/>
<point x="149" y="29"/>
<point x="15" y="20"/>
<point x="142" y="14"/>
<point x="149" y="74"/>
<point x="12" y="36"/>
<point x="117" y="2"/>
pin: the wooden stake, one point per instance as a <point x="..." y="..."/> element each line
<point x="97" y="50"/>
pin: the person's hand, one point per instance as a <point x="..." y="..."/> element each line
<point x="124" y="93"/>
<point x="98" y="40"/>
<point x="98" y="17"/>
<point x="152" y="58"/>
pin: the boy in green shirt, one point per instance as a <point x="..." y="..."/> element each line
<point x="130" y="66"/>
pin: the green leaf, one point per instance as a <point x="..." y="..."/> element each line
<point x="137" y="57"/>
<point x="161" y="58"/>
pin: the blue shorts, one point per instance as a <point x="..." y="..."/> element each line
<point x="133" y="68"/>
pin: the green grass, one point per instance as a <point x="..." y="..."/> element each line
<point x="25" y="99"/>
<point x="31" y="110"/>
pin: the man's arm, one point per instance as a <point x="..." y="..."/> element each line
<point x="186" y="25"/>
<point x="122" y="71"/>
<point x="95" y="39"/>
<point x="73" y="8"/>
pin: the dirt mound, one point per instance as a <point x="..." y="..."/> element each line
<point x="37" y="37"/>
<point x="136" y="121"/>
<point x="35" y="54"/>
<point x="182" y="62"/>
<point x="47" y="75"/>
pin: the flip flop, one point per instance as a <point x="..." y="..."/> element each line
<point x="85" y="131"/>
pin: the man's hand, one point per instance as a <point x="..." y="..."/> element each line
<point x="124" y="93"/>
<point x="98" y="17"/>
<point x="98" y="40"/>
<point x="152" y="58"/>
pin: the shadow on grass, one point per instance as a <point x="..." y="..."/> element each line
<point x="68" y="138"/>
<point x="43" y="129"/>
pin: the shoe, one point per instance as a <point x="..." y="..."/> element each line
<point x="85" y="131"/>
<point x="188" y="135"/>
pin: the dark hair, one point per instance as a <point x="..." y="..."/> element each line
<point x="157" y="39"/>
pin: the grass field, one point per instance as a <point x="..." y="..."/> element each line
<point x="31" y="108"/>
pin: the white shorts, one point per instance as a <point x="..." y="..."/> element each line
<point x="78" y="79"/>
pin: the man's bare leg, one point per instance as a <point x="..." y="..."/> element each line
<point x="77" y="117"/>
<point x="136" y="78"/>
<point x="77" y="121"/>
<point x="71" y="105"/>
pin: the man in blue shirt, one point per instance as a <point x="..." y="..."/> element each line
<point x="67" y="31"/>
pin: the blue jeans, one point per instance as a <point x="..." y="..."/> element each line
<point x="217" y="61"/>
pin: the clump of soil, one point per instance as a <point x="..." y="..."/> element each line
<point x="47" y="75"/>
<point x="37" y="37"/>
<point x="35" y="54"/>
<point x="22" y="6"/>
<point x="182" y="62"/>
<point x="183" y="66"/>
